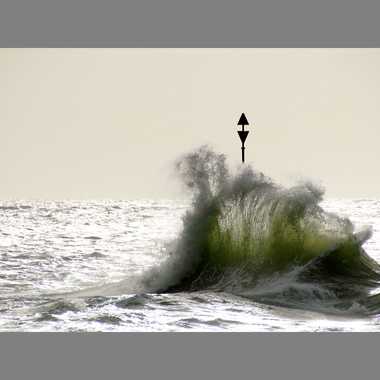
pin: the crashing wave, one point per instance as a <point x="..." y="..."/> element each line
<point x="246" y="235"/>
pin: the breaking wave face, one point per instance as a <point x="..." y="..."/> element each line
<point x="246" y="235"/>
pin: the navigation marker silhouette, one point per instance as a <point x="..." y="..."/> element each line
<point x="243" y="134"/>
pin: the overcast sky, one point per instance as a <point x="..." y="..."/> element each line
<point x="108" y="123"/>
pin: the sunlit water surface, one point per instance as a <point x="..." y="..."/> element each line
<point x="50" y="249"/>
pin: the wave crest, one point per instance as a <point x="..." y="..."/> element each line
<point x="243" y="229"/>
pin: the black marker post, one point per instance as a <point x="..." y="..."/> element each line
<point x="243" y="134"/>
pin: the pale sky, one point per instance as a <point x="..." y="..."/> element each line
<point x="108" y="123"/>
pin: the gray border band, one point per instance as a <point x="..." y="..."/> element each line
<point x="190" y="23"/>
<point x="182" y="356"/>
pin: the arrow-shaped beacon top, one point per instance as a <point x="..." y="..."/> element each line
<point x="243" y="120"/>
<point x="243" y="136"/>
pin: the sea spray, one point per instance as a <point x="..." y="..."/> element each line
<point x="243" y="229"/>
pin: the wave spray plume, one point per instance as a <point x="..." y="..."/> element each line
<point x="246" y="235"/>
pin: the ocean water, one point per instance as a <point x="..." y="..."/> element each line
<point x="77" y="266"/>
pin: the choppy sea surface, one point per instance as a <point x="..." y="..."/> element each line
<point x="52" y="252"/>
